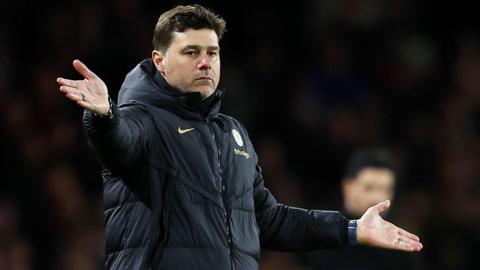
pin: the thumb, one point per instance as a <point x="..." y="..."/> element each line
<point x="83" y="69"/>
<point x="380" y="207"/>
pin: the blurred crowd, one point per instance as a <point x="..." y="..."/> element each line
<point x="311" y="81"/>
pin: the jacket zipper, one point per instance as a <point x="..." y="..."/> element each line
<point x="226" y="216"/>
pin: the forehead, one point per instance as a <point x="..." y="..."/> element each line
<point x="201" y="37"/>
<point x="373" y="175"/>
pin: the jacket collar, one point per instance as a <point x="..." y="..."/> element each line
<point x="193" y="101"/>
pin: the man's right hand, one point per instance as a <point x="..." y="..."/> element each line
<point x="90" y="93"/>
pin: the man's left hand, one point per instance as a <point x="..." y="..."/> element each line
<point x="373" y="230"/>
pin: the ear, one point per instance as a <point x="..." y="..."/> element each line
<point x="346" y="185"/>
<point x="157" y="58"/>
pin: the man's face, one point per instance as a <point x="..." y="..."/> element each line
<point x="192" y="62"/>
<point x="369" y="187"/>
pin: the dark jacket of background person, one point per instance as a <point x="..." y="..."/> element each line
<point x="182" y="187"/>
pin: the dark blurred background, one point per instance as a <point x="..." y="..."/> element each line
<point x="312" y="81"/>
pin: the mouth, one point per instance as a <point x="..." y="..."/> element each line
<point x="203" y="78"/>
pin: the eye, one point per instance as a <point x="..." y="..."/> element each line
<point x="212" y="53"/>
<point x="191" y="53"/>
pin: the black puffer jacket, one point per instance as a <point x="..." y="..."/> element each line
<point x="182" y="187"/>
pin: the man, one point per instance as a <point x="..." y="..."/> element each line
<point x="370" y="177"/>
<point x="182" y="187"/>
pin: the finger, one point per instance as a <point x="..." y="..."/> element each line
<point x="80" y="100"/>
<point x="68" y="89"/>
<point x="407" y="234"/>
<point x="74" y="96"/>
<point x="408" y="246"/>
<point x="405" y="247"/>
<point x="83" y="69"/>
<point x="407" y="240"/>
<point x="399" y="244"/>
<point x="67" y="82"/>
<point x="413" y="240"/>
<point x="418" y="246"/>
<point x="380" y="207"/>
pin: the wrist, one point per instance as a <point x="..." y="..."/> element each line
<point x="109" y="112"/>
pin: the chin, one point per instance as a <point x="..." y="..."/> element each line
<point x="204" y="91"/>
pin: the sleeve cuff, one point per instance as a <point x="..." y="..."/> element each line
<point x="94" y="122"/>
<point x="352" y="232"/>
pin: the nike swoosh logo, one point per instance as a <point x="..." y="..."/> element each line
<point x="182" y="131"/>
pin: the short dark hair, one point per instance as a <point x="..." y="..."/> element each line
<point x="373" y="157"/>
<point x="182" y="18"/>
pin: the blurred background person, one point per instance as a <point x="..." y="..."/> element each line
<point x="369" y="178"/>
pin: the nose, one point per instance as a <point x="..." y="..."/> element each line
<point x="204" y="62"/>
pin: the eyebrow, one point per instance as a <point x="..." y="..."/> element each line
<point x="198" y="47"/>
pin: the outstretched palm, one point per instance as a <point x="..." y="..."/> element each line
<point x="373" y="230"/>
<point x="90" y="93"/>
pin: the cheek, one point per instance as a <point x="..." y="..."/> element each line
<point x="217" y="75"/>
<point x="217" y="68"/>
<point x="357" y="193"/>
<point x="174" y="76"/>
<point x="175" y="71"/>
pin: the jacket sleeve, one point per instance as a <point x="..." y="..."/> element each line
<point x="120" y="140"/>
<point x="287" y="228"/>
